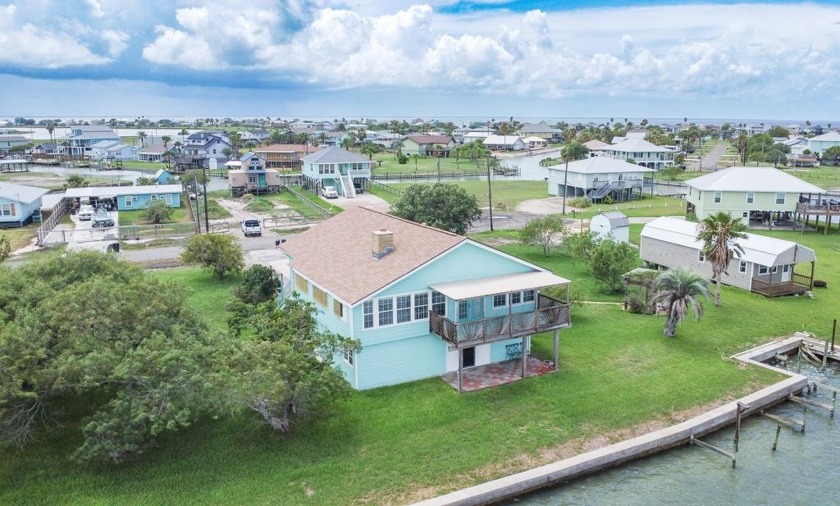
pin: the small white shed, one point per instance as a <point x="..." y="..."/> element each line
<point x="611" y="223"/>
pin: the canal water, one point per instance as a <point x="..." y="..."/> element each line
<point x="803" y="470"/>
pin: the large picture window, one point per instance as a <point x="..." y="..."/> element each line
<point x="385" y="310"/>
<point x="402" y="308"/>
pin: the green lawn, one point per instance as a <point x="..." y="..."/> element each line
<point x="205" y="294"/>
<point x="181" y="215"/>
<point x="648" y="206"/>
<point x="510" y="193"/>
<point x="19" y="237"/>
<point x="402" y="443"/>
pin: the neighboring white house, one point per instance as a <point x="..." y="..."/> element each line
<point x="535" y="142"/>
<point x="820" y="143"/>
<point x="611" y="225"/>
<point x="475" y="135"/>
<point x="504" y="143"/>
<point x="113" y="150"/>
<point x="767" y="265"/>
<point x="641" y="152"/>
<point x="596" y="178"/>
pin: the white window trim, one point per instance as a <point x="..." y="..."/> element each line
<point x="411" y="308"/>
<point x="784" y="197"/>
<point x="350" y="357"/>
<point x="763" y="269"/>
<point x="507" y="300"/>
<point x="701" y="257"/>
<point x="717" y="197"/>
<point x="750" y="197"/>
<point x="742" y="266"/>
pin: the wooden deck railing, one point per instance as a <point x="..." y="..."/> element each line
<point x="806" y="208"/>
<point x="550" y="314"/>
<point x="799" y="284"/>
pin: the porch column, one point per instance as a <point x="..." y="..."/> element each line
<point x="556" y="348"/>
<point x="460" y="368"/>
<point x="524" y="355"/>
<point x="811" y="282"/>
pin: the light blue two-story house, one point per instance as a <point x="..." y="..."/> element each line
<point x="421" y="301"/>
<point x="337" y="167"/>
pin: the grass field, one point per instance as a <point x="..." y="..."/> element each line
<point x="398" y="444"/>
<point x="181" y="215"/>
<point x="510" y="193"/>
<point x="19" y="237"/>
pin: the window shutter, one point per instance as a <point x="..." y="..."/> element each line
<point x="12" y="207"/>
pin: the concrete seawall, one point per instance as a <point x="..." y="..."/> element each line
<point x="625" y="451"/>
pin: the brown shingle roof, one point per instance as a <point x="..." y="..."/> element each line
<point x="430" y="139"/>
<point x="337" y="254"/>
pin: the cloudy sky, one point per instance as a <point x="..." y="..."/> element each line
<point x="404" y="58"/>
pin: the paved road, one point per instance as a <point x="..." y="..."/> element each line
<point x="709" y="162"/>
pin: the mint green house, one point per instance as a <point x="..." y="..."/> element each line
<point x="757" y="195"/>
<point x="421" y="301"/>
<point x="343" y="170"/>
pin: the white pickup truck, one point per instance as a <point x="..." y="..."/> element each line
<point x="85" y="213"/>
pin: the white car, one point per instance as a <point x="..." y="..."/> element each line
<point x="329" y="192"/>
<point x="251" y="227"/>
<point x="85" y="213"/>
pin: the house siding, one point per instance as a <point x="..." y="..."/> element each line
<point x="142" y="201"/>
<point x="670" y="255"/>
<point x="735" y="203"/>
<point x="22" y="212"/>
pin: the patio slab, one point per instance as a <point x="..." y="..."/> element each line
<point x="500" y="373"/>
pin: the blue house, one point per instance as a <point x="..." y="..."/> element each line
<point x="162" y="176"/>
<point x="421" y="301"/>
<point x="19" y="204"/>
<point x="339" y="168"/>
<point x="126" y="198"/>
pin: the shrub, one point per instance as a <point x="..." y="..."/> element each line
<point x="157" y="212"/>
<point x="402" y="160"/>
<point x="636" y="305"/>
<point x="580" y="202"/>
<point x="609" y="200"/>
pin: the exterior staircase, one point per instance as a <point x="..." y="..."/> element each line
<point x="599" y="192"/>
<point x="349" y="190"/>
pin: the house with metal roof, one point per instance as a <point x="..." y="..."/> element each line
<point x="113" y="150"/>
<point x="421" y="301"/>
<point x="768" y="266"/>
<point x="7" y="142"/>
<point x="612" y="225"/>
<point x="83" y="137"/>
<point x="542" y="130"/>
<point x="598" y="177"/>
<point x="641" y="152"/>
<point x="19" y="204"/>
<point x="125" y="198"/>
<point x="495" y="142"/>
<point x="757" y="195"/>
<point x="337" y="167"/>
<point x="820" y="143"/>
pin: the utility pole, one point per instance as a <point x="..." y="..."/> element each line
<point x="197" y="203"/>
<point x="489" y="192"/>
<point x="565" y="185"/>
<point x="206" y="213"/>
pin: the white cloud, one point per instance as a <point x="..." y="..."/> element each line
<point x="27" y="45"/>
<point x="95" y="8"/>
<point x="646" y="50"/>
<point x="117" y="42"/>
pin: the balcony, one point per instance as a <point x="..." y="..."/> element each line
<point x="550" y="314"/>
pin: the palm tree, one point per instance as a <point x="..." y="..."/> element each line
<point x="679" y="290"/>
<point x="183" y="133"/>
<point x="719" y="232"/>
<point x="142" y="136"/>
<point x="571" y="152"/>
<point x="166" y="140"/>
<point x="51" y="130"/>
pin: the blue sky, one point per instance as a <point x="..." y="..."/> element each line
<point x="404" y="58"/>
